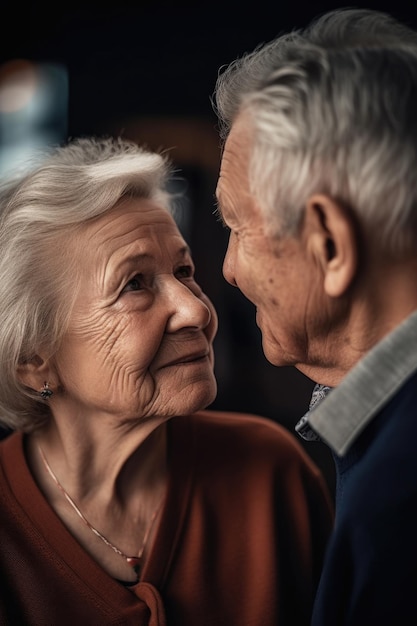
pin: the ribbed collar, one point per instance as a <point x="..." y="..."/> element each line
<point x="340" y="416"/>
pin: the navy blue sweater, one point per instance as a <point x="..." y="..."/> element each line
<point x="370" y="573"/>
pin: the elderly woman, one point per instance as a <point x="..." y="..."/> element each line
<point x="123" y="501"/>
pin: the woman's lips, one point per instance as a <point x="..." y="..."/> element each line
<point x="188" y="358"/>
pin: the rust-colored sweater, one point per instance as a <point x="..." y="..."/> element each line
<point x="240" y="541"/>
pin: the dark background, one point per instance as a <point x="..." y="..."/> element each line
<point x="146" y="70"/>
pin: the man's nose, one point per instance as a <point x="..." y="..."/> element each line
<point x="229" y="263"/>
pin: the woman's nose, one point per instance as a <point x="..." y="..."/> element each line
<point x="187" y="309"/>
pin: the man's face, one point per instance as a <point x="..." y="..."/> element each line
<point x="278" y="275"/>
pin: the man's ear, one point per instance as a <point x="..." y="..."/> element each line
<point x="334" y="239"/>
<point x="34" y="372"/>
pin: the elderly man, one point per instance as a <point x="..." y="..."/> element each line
<point x="318" y="188"/>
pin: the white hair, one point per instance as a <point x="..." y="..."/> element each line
<point x="332" y="109"/>
<point x="40" y="209"/>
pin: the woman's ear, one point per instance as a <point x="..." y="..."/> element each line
<point x="334" y="240"/>
<point x="34" y="372"/>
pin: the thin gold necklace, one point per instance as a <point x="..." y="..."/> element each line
<point x="135" y="562"/>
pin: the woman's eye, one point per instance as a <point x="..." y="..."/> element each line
<point x="134" y="284"/>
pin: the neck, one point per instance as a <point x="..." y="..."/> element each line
<point x="121" y="508"/>
<point x="102" y="466"/>
<point x="377" y="307"/>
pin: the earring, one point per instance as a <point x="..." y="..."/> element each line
<point x="45" y="392"/>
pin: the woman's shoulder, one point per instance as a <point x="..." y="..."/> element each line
<point x="237" y="420"/>
<point x="11" y="444"/>
<point x="248" y="433"/>
<point x="247" y="448"/>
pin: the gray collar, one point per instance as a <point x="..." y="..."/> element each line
<point x="341" y="416"/>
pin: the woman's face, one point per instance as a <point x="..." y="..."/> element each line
<point x="141" y="332"/>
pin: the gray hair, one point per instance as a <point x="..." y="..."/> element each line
<point x="332" y="109"/>
<point x="40" y="208"/>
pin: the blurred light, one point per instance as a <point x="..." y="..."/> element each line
<point x="18" y="84"/>
<point x="33" y="110"/>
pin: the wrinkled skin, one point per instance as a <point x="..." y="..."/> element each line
<point x="140" y="339"/>
<point x="278" y="275"/>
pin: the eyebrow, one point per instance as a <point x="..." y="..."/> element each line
<point x="133" y="259"/>
<point x="217" y="212"/>
<point x="145" y="256"/>
<point x="185" y="250"/>
<point x="136" y="259"/>
<point x="219" y="216"/>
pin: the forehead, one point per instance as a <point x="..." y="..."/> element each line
<point x="130" y="220"/>
<point x="135" y="231"/>
<point x="234" y="162"/>
<point x="236" y="204"/>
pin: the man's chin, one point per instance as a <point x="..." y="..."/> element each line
<point x="275" y="355"/>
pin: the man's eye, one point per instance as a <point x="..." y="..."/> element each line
<point x="185" y="271"/>
<point x="134" y="284"/>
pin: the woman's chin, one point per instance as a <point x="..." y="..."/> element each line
<point x="199" y="397"/>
